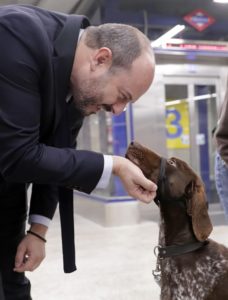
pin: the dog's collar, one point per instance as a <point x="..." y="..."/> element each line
<point x="170" y="251"/>
<point x="175" y="250"/>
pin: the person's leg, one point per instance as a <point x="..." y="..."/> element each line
<point x="221" y="180"/>
<point x="15" y="285"/>
<point x="2" y="297"/>
<point x="13" y="208"/>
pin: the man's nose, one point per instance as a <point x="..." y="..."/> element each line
<point x="118" y="108"/>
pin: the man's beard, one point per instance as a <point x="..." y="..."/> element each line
<point x="83" y="104"/>
<point x="88" y="97"/>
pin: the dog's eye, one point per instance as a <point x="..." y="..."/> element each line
<point x="171" y="162"/>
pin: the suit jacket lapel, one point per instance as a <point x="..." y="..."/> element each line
<point x="65" y="47"/>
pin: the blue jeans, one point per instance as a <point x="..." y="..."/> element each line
<point x="221" y="181"/>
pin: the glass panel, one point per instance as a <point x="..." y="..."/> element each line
<point x="96" y="135"/>
<point x="207" y="119"/>
<point x="202" y="118"/>
<point x="107" y="134"/>
<point x="177" y="121"/>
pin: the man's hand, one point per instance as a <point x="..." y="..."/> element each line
<point x="135" y="183"/>
<point x="31" y="250"/>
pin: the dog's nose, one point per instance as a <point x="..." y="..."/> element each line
<point x="132" y="143"/>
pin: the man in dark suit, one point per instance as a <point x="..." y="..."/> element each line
<point x="55" y="69"/>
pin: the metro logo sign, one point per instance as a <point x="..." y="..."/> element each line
<point x="199" y="19"/>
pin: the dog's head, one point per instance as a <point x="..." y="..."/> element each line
<point x="181" y="182"/>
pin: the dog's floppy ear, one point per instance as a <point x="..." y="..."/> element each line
<point x="197" y="209"/>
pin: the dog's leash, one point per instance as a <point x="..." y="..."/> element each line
<point x="157" y="272"/>
<point x="163" y="187"/>
<point x="173" y="250"/>
<point x="161" y="182"/>
<point x="160" y="191"/>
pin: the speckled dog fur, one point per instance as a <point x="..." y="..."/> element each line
<point x="198" y="275"/>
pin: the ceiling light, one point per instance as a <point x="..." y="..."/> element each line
<point x="168" y="35"/>
<point x="220" y="1"/>
<point x="195" y="98"/>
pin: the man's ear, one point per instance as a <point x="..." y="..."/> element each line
<point x="101" y="58"/>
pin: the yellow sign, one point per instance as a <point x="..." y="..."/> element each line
<point x="177" y="126"/>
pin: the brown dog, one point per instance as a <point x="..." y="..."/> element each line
<point x="190" y="266"/>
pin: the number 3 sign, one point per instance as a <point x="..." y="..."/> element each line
<point x="177" y="126"/>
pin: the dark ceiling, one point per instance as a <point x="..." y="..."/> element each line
<point x="153" y="17"/>
<point x="157" y="16"/>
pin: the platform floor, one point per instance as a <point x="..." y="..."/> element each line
<point x="113" y="263"/>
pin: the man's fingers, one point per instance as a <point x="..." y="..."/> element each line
<point x="29" y="264"/>
<point x="145" y="196"/>
<point x="134" y="181"/>
<point x="20" y="255"/>
<point x="146" y="191"/>
<point x="148" y="185"/>
<point x="30" y="253"/>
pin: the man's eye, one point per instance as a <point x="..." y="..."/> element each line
<point x="123" y="97"/>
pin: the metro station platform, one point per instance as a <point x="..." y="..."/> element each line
<point x="114" y="263"/>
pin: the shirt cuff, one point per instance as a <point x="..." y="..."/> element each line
<point x="107" y="171"/>
<point x="39" y="220"/>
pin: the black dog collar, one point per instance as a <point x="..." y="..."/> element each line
<point x="174" y="250"/>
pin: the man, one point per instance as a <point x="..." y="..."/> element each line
<point x="45" y="59"/>
<point x="221" y="156"/>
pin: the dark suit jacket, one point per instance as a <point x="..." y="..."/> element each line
<point x="37" y="127"/>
